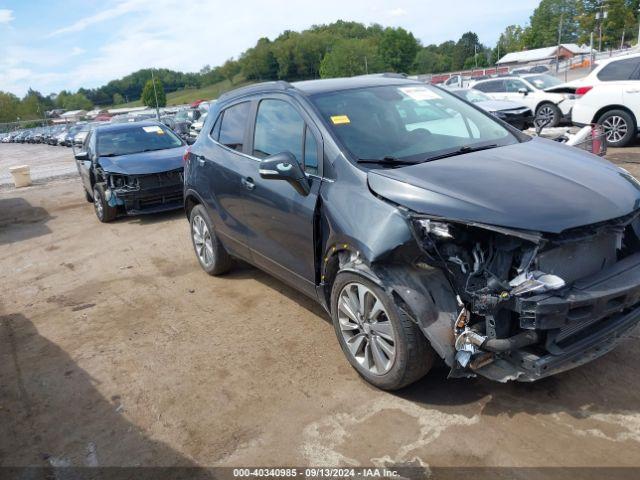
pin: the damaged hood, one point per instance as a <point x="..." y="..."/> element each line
<point x="537" y="185"/>
<point x="145" y="162"/>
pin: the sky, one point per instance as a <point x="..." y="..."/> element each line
<point x="52" y="45"/>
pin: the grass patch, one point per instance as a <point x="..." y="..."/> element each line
<point x="189" y="95"/>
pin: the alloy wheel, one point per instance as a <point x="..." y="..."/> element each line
<point x="366" y="328"/>
<point x="202" y="241"/>
<point x="97" y="203"/>
<point x="546" y="114"/>
<point x="615" y="128"/>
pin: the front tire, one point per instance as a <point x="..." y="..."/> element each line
<point x="619" y="128"/>
<point x="211" y="254"/>
<point x="104" y="211"/>
<point x="549" y="112"/>
<point x="381" y="342"/>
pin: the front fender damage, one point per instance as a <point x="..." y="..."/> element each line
<point x="423" y="294"/>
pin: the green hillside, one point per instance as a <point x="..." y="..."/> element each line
<point x="189" y="95"/>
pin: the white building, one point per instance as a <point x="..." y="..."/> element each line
<point x="564" y="51"/>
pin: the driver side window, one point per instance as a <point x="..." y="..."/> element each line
<point x="280" y="128"/>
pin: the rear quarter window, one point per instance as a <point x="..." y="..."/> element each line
<point x="232" y="126"/>
<point x="620" y="70"/>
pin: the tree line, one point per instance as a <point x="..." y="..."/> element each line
<point x="346" y="48"/>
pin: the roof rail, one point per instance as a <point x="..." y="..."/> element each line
<point x="385" y="75"/>
<point x="280" y="85"/>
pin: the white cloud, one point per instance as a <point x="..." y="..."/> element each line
<point x="398" y="12"/>
<point x="6" y="15"/>
<point x="109" y="14"/>
<point x="185" y="35"/>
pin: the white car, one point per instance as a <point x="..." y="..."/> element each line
<point x="536" y="91"/>
<point x="615" y="106"/>
<point x="196" y="126"/>
<point x="616" y="69"/>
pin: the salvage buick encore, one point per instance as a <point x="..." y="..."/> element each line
<point x="422" y="224"/>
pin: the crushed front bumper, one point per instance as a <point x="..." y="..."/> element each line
<point x="152" y="193"/>
<point x="579" y="325"/>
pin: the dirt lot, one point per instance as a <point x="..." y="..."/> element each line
<point x="116" y="349"/>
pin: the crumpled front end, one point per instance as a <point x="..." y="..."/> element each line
<point x="530" y="304"/>
<point x="145" y="193"/>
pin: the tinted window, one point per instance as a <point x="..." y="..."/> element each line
<point x="234" y="121"/>
<point x="135" y="139"/>
<point x="279" y="128"/>
<point x="513" y="85"/>
<point x="620" y="70"/>
<point x="310" y="152"/>
<point x="495" y="86"/>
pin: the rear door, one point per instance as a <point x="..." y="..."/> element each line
<point x="279" y="220"/>
<point x="223" y="168"/>
<point x="494" y="88"/>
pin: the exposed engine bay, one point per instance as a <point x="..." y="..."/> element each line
<point x="532" y="304"/>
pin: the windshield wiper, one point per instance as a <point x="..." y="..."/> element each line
<point x="388" y="160"/>
<point x="460" y="151"/>
<point x="110" y="154"/>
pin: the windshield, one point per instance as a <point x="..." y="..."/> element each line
<point x="543" y="81"/>
<point x="474" y="96"/>
<point x="407" y="122"/>
<point x="135" y="140"/>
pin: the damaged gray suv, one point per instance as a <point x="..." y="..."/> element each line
<point x="423" y="225"/>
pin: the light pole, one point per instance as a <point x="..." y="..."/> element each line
<point x="155" y="93"/>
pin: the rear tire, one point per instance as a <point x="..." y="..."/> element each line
<point x="619" y="127"/>
<point x="104" y="211"/>
<point x="380" y="341"/>
<point x="549" y="111"/>
<point x="210" y="252"/>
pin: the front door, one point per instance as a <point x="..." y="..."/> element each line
<point x="279" y="220"/>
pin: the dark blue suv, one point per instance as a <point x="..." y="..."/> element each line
<point x="422" y="224"/>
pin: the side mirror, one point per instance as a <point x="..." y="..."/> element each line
<point x="189" y="140"/>
<point x="523" y="91"/>
<point x="284" y="166"/>
<point x="82" y="155"/>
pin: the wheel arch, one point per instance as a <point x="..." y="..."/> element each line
<point x="191" y="199"/>
<point x="608" y="108"/>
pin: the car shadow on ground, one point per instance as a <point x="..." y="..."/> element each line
<point x="19" y="220"/>
<point x="52" y="414"/>
<point x="243" y="271"/>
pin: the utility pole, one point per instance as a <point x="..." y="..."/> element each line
<point x="155" y="93"/>
<point x="366" y="66"/>
<point x="638" y="26"/>
<point x="591" y="55"/>
<point x="475" y="53"/>
<point x="559" y="43"/>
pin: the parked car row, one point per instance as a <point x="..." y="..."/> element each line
<point x="608" y="96"/>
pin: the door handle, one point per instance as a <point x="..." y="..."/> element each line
<point x="248" y="183"/>
<point x="200" y="159"/>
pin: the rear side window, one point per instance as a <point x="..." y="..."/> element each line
<point x="233" y="123"/>
<point x="279" y="128"/>
<point x="619" y="70"/>
<point x="494" y="86"/>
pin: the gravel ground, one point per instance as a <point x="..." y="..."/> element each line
<point x="46" y="162"/>
<point x="116" y="349"/>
